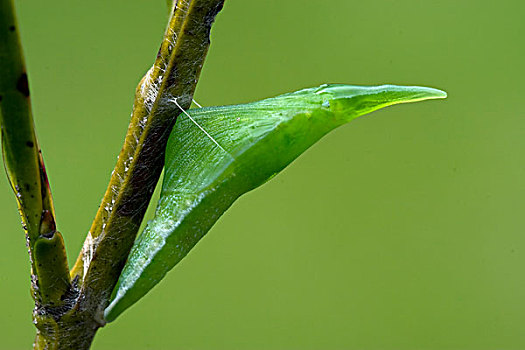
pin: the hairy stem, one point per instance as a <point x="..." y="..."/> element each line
<point x="173" y="76"/>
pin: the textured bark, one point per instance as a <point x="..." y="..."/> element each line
<point x="73" y="323"/>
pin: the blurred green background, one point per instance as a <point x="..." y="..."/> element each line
<point x="402" y="230"/>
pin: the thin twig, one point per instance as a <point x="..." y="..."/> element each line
<point x="26" y="172"/>
<point x="50" y="284"/>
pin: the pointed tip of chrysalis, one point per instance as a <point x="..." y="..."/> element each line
<point x="438" y="93"/>
<point x="394" y="93"/>
<point x="420" y="93"/>
<point x="408" y="94"/>
<point x="353" y="101"/>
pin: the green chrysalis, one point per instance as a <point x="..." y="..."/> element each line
<point x="216" y="154"/>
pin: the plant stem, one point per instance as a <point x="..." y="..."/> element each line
<point x="26" y="172"/>
<point x="173" y="77"/>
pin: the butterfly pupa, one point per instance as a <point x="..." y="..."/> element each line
<point x="233" y="150"/>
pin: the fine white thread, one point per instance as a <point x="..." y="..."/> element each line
<point x="198" y="105"/>
<point x="200" y="127"/>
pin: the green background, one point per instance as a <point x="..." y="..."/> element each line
<point x="402" y="230"/>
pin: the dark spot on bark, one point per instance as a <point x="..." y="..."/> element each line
<point x="0" y="98"/>
<point x="47" y="225"/>
<point x="49" y="235"/>
<point x="12" y="28"/>
<point x="27" y="187"/>
<point x="29" y="144"/>
<point x="22" y="85"/>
